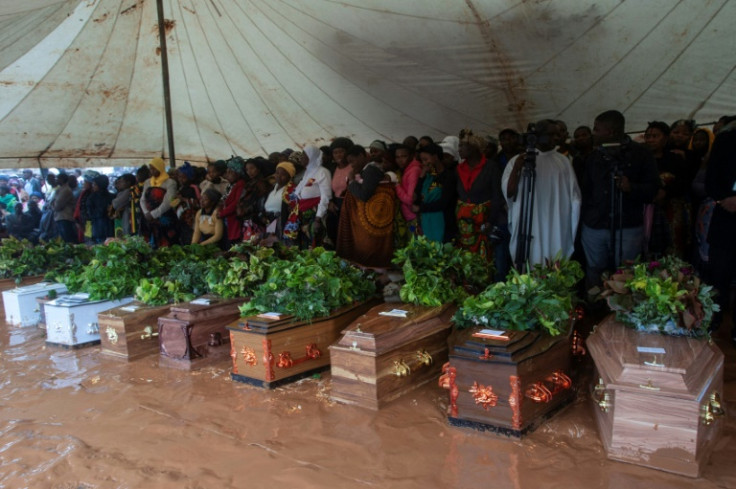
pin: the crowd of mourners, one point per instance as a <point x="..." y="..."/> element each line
<point x="599" y="196"/>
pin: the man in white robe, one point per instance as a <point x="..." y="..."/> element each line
<point x="556" y="208"/>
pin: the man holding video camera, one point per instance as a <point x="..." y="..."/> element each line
<point x="555" y="201"/>
<point x="620" y="178"/>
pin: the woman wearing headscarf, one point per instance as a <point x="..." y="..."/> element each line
<point x="208" y="226"/>
<point x="158" y="192"/>
<point x="275" y="208"/>
<point x="97" y="203"/>
<point x="479" y="196"/>
<point x="308" y="203"/>
<point x="235" y="174"/>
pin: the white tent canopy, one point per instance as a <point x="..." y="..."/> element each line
<point x="81" y="82"/>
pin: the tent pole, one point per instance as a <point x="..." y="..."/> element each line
<point x="165" y="76"/>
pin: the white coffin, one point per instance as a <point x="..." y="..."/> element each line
<point x="21" y="308"/>
<point x="71" y="320"/>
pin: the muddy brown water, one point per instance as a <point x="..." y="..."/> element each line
<point x="78" y="419"/>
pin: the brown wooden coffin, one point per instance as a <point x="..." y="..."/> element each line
<point x="194" y="334"/>
<point x="130" y="332"/>
<point x="506" y="382"/>
<point x="270" y="351"/>
<point x="657" y="398"/>
<point x="10" y="283"/>
<point x="379" y="357"/>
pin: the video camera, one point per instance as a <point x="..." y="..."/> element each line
<point x="529" y="138"/>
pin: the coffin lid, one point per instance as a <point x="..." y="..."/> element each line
<point x="263" y="324"/>
<point x="518" y="347"/>
<point x="80" y="299"/>
<point x="662" y="365"/>
<point x="130" y="309"/>
<point x="376" y="333"/>
<point x="40" y="286"/>
<point x="206" y="301"/>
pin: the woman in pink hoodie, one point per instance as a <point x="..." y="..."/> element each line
<point x="411" y="170"/>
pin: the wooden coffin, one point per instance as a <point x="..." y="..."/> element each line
<point x="21" y="307"/>
<point x="268" y="351"/>
<point x="130" y="332"/>
<point x="194" y="334"/>
<point x="71" y="320"/>
<point x="10" y="283"/>
<point x="381" y="357"/>
<point x="657" y="398"/>
<point x="506" y="382"/>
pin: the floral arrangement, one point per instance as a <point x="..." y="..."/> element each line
<point x="311" y="284"/>
<point x="541" y="299"/>
<point x="661" y="297"/>
<point x="436" y="273"/>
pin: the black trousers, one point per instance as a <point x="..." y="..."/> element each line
<point x="721" y="274"/>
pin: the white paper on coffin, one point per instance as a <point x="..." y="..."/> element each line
<point x="72" y="320"/>
<point x="21" y="308"/>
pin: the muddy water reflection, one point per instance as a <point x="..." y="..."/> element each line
<point x="71" y="419"/>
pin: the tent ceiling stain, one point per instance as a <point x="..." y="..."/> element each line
<point x="511" y="79"/>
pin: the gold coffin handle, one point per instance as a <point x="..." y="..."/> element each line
<point x="545" y="390"/>
<point x="649" y="386"/>
<point x="601" y="396"/>
<point x="712" y="409"/>
<point x="403" y="366"/>
<point x="148" y="333"/>
<point x="112" y="335"/>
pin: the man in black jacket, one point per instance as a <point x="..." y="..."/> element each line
<point x="636" y="180"/>
<point x="720" y="185"/>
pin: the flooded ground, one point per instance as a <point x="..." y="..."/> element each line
<point x="77" y="419"/>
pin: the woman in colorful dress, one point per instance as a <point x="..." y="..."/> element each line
<point x="308" y="203"/>
<point x="365" y="235"/>
<point x="276" y="206"/>
<point x="160" y="219"/>
<point x="479" y="196"/>
<point x="250" y="207"/>
<point x="81" y="215"/>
